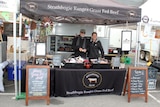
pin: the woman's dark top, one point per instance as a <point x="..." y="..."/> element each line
<point x="94" y="49"/>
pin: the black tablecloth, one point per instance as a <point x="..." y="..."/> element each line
<point x="70" y="82"/>
<point x="81" y="66"/>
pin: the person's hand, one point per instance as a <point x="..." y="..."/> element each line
<point x="84" y="50"/>
<point x="80" y="49"/>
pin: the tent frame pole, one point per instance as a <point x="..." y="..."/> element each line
<point x="15" y="57"/>
<point x="138" y="44"/>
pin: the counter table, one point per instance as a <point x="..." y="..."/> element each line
<point x="73" y="82"/>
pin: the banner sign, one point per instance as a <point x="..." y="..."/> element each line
<point x="9" y="5"/>
<point x="57" y="8"/>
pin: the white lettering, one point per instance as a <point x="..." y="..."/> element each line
<point x="75" y="8"/>
<point x="114" y="12"/>
<point x="105" y="11"/>
<point x="60" y="7"/>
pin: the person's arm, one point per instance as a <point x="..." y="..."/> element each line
<point x="87" y="44"/>
<point x="4" y="36"/>
<point x="101" y="49"/>
<point x="74" y="44"/>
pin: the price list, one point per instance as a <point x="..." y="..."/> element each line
<point x="37" y="82"/>
<point x="138" y="82"/>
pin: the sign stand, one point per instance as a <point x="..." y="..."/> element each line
<point x="37" y="83"/>
<point x="126" y="40"/>
<point x="136" y="82"/>
<point x="57" y="60"/>
<point x="40" y="54"/>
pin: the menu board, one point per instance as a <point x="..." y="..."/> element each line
<point x="37" y="82"/>
<point x="138" y="81"/>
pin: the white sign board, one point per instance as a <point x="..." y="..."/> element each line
<point x="9" y="5"/>
<point x="126" y="40"/>
<point x="40" y="49"/>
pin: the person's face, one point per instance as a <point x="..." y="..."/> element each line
<point x="94" y="37"/>
<point x="82" y="34"/>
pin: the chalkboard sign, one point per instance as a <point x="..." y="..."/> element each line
<point x="8" y="29"/>
<point x="57" y="60"/>
<point x="37" y="82"/>
<point x="137" y="82"/>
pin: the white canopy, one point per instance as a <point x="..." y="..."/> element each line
<point x="151" y="9"/>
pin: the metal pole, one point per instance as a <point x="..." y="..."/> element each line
<point x="19" y="70"/>
<point x="138" y="43"/>
<point x="15" y="45"/>
<point x="139" y="33"/>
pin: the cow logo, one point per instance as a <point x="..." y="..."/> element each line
<point x="92" y="79"/>
<point x="131" y="13"/>
<point x="31" y="6"/>
<point x="145" y="19"/>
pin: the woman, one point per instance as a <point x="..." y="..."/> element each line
<point x="95" y="47"/>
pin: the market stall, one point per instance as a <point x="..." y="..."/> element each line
<point x="97" y="12"/>
<point x="101" y="12"/>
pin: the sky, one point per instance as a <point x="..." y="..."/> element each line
<point x="152" y="9"/>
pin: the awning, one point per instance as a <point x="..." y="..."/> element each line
<point x="71" y="11"/>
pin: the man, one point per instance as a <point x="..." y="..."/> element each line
<point x="80" y="44"/>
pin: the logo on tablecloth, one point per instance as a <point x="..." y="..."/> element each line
<point x="92" y="79"/>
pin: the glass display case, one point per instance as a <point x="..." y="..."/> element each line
<point x="60" y="43"/>
<point x="64" y="43"/>
<point x="52" y="43"/>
